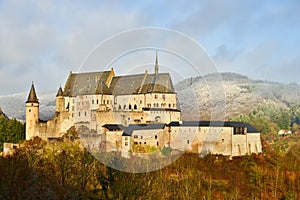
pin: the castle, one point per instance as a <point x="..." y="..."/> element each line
<point x="135" y="111"/>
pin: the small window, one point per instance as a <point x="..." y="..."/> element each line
<point x="97" y="101"/>
<point x="107" y="101"/>
<point x="155" y="136"/>
<point x="129" y="106"/>
<point x="169" y="105"/>
<point x="135" y="136"/>
<point x="93" y="101"/>
<point x="164" y="97"/>
<point x="145" y="143"/>
<point x="126" y="138"/>
<point x="188" y="141"/>
<point x="29" y="110"/>
<point x="84" y="113"/>
<point x="135" y="107"/>
<point x="157" y="143"/>
<point x="141" y="101"/>
<point x="141" y="137"/>
<point x="155" y="96"/>
<point x="120" y="107"/>
<point x="79" y="114"/>
<point x="126" y="143"/>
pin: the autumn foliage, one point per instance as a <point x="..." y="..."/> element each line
<point x="67" y="171"/>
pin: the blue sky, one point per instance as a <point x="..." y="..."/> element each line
<point x="42" y="41"/>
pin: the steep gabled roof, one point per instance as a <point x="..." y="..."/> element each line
<point x="32" y="98"/>
<point x="86" y="83"/>
<point x="142" y="84"/>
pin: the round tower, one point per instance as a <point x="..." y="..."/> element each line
<point x="32" y="114"/>
<point x="60" y="100"/>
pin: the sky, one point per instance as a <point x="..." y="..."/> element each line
<point x="42" y="41"/>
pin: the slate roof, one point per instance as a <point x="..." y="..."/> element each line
<point x="114" y="127"/>
<point x="132" y="127"/>
<point x="94" y="83"/>
<point x="142" y="84"/>
<point x="160" y="109"/>
<point x="250" y="128"/>
<point x="86" y="83"/>
<point x="32" y="98"/>
<point x="59" y="92"/>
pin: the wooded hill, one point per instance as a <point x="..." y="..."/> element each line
<point x="66" y="171"/>
<point x="241" y="94"/>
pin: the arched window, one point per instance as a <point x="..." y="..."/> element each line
<point x="135" y="107"/>
<point x="129" y="106"/>
<point x="124" y="107"/>
<point x="120" y="107"/>
<point x="92" y="101"/>
<point x="154" y="105"/>
<point x="169" y="105"/>
<point x="157" y="119"/>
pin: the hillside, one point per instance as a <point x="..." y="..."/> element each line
<point x="14" y="105"/>
<point x="241" y="94"/>
<point x="2" y="114"/>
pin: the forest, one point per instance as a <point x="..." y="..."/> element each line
<point x="11" y="131"/>
<point x="66" y="170"/>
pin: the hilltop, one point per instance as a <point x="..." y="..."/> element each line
<point x="241" y="94"/>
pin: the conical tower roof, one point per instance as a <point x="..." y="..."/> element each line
<point x="32" y="96"/>
<point x="60" y="92"/>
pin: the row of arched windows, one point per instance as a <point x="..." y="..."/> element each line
<point x="163" y="105"/>
<point x="104" y="101"/>
<point x="130" y="107"/>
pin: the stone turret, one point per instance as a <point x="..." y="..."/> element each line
<point x="60" y="100"/>
<point x="32" y="114"/>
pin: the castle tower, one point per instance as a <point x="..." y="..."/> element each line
<point x="60" y="100"/>
<point x="156" y="64"/>
<point x="32" y="114"/>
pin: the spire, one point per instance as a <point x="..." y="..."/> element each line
<point x="59" y="92"/>
<point x="32" y="96"/>
<point x="156" y="64"/>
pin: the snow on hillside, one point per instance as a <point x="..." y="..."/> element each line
<point x="14" y="105"/>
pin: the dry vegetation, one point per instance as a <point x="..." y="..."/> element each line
<point x="66" y="171"/>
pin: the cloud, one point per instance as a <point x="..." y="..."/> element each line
<point x="52" y="37"/>
<point x="43" y="40"/>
